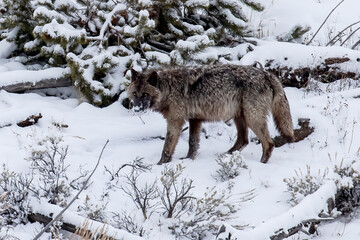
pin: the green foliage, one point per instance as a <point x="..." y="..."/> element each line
<point x="100" y="40"/>
<point x="92" y="75"/>
<point x="17" y="15"/>
<point x="295" y="34"/>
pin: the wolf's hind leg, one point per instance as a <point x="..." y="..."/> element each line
<point x="242" y="134"/>
<point x="194" y="138"/>
<point x="172" y="137"/>
<point x="260" y="128"/>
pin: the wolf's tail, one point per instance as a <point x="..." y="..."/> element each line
<point x="281" y="110"/>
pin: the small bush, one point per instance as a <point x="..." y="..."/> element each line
<point x="347" y="179"/>
<point x="93" y="210"/>
<point x="48" y="164"/>
<point x="175" y="192"/>
<point x="128" y="222"/>
<point x="187" y="217"/>
<point x="203" y="217"/>
<point x="348" y="183"/>
<point x="14" y="197"/>
<point x="144" y="196"/>
<point x="304" y="184"/>
<point x="229" y="166"/>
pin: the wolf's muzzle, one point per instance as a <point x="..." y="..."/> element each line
<point x="141" y="106"/>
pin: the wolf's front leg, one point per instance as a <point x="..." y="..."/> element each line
<point x="172" y="136"/>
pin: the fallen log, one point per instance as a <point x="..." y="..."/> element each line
<point x="45" y="83"/>
<point x="300" y="134"/>
<point x="327" y="71"/>
<point x="73" y="223"/>
<point x="308" y="227"/>
<point x="29" y="121"/>
<point x="23" y="80"/>
<point x="40" y="218"/>
<point x="32" y="120"/>
<point x="301" y="217"/>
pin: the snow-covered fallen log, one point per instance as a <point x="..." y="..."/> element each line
<point x="43" y="213"/>
<point x="31" y="120"/>
<point x="307" y="210"/>
<point x="296" y="64"/>
<point x="300" y="133"/>
<point x="21" y="122"/>
<point x="22" y="80"/>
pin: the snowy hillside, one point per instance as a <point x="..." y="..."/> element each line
<point x="235" y="194"/>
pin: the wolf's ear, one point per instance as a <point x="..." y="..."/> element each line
<point x="133" y="74"/>
<point x="153" y="79"/>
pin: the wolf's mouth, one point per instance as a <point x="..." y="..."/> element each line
<point x="141" y="106"/>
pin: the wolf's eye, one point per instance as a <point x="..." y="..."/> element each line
<point x="145" y="94"/>
<point x="134" y="93"/>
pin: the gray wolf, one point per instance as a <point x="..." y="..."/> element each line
<point x="245" y="94"/>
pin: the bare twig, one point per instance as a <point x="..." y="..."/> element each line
<point x="73" y="200"/>
<point x="142" y="196"/>
<point x="137" y="164"/>
<point x="163" y="46"/>
<point x="332" y="41"/>
<point x="350" y="36"/>
<point x="355" y="45"/>
<point x="173" y="192"/>
<point x="325" y="21"/>
<point x="141" y="119"/>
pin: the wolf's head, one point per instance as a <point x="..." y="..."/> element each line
<point x="143" y="90"/>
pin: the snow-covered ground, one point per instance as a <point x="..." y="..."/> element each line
<point x="259" y="194"/>
<point x="280" y="16"/>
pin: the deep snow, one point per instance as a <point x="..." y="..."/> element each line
<point x="333" y="110"/>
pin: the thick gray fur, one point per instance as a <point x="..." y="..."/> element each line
<point x="213" y="93"/>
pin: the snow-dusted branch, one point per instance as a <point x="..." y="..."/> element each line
<point x="307" y="210"/>
<point x="355" y="45"/>
<point x="173" y="192"/>
<point x="164" y="48"/>
<point x="75" y="197"/>
<point x="311" y="223"/>
<point x="107" y="23"/>
<point x="339" y="35"/>
<point x="143" y="196"/>
<point x="72" y="221"/>
<point x="350" y="35"/>
<point x="324" y="22"/>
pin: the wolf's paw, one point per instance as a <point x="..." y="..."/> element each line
<point x="164" y="160"/>
<point x="191" y="156"/>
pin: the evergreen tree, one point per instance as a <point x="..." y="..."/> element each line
<point x="101" y="39"/>
<point x="16" y="21"/>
